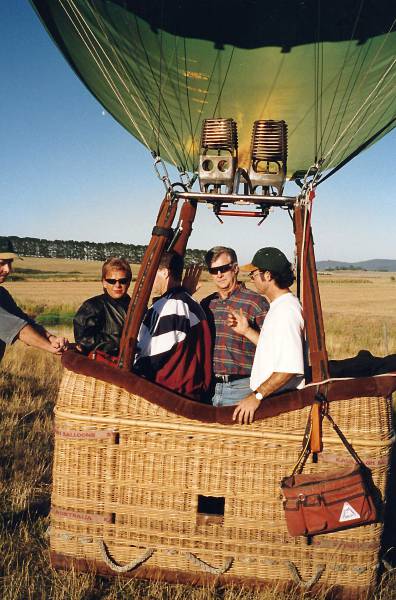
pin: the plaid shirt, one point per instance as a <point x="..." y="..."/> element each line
<point x="232" y="353"/>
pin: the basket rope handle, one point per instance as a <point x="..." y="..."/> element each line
<point x="123" y="568"/>
<point x="311" y="581"/>
<point x="208" y="568"/>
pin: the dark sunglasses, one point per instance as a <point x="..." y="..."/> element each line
<point x="222" y="269"/>
<point x="123" y="281"/>
<point x="252" y="274"/>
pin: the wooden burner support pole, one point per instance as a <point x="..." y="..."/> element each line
<point x="312" y="310"/>
<point x="161" y="239"/>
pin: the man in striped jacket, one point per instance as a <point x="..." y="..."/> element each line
<point x="174" y="343"/>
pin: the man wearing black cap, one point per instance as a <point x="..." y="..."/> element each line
<point x="14" y="323"/>
<point x="279" y="359"/>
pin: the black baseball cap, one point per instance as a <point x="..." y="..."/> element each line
<point x="7" y="251"/>
<point x="268" y="259"/>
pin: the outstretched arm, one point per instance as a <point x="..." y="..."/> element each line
<point x="51" y="343"/>
<point x="15" y="324"/>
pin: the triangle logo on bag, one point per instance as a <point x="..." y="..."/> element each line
<point x="348" y="513"/>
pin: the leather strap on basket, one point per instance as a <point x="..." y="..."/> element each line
<point x="312" y="310"/>
<point x="316" y="444"/>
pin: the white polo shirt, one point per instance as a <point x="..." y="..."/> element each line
<point x="280" y="347"/>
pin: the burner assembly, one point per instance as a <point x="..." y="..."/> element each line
<point x="220" y="176"/>
<point x="219" y="155"/>
<point x="268" y="155"/>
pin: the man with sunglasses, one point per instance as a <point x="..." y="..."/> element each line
<point x="279" y="359"/>
<point x="232" y="353"/>
<point x="14" y="323"/>
<point x="99" y="321"/>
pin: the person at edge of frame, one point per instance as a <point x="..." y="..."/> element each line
<point x="99" y="321"/>
<point x="233" y="354"/>
<point x="16" y="324"/>
<point x="174" y="344"/>
<point x="279" y="359"/>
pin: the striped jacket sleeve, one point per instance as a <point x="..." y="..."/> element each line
<point x="174" y="345"/>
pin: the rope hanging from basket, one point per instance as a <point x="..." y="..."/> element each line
<point x="306" y="585"/>
<point x="150" y="551"/>
<point x="208" y="568"/>
<point x="124" y="568"/>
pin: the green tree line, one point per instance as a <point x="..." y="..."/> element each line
<point x="72" y="249"/>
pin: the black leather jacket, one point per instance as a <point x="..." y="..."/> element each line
<point x="98" y="323"/>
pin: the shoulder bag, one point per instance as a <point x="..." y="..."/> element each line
<point x="329" y="501"/>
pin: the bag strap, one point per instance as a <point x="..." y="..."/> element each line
<point x="342" y="437"/>
<point x="322" y="398"/>
<point x="307" y="449"/>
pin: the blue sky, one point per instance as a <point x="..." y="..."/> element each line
<point x="69" y="171"/>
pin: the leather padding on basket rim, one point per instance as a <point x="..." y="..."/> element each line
<point x="337" y="389"/>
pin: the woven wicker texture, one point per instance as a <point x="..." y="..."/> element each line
<point x="137" y="477"/>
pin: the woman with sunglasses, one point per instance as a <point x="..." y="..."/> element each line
<point x="99" y="321"/>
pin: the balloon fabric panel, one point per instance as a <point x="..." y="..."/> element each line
<point x="334" y="89"/>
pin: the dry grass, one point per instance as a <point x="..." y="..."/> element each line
<point x="358" y="315"/>
<point x="90" y="268"/>
<point x="50" y="293"/>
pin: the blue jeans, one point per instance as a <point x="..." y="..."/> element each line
<point x="228" y="394"/>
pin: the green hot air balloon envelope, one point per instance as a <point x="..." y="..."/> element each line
<point x="160" y="67"/>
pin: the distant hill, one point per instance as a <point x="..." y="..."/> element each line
<point x="376" y="264"/>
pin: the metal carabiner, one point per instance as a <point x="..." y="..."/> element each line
<point x="164" y="176"/>
<point x="185" y="180"/>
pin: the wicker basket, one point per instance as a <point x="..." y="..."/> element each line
<point x="140" y="490"/>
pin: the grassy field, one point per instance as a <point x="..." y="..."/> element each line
<point x="359" y="313"/>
